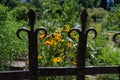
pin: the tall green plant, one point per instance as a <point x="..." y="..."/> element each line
<point x="3" y="14"/>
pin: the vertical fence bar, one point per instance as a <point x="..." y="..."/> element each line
<point x="117" y="41"/>
<point x="82" y="43"/>
<point x="82" y="48"/>
<point x="119" y="72"/>
<point x="32" y="45"/>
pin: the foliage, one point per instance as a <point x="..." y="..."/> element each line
<point x="10" y="46"/>
<point x="107" y="77"/>
<point x="57" y="49"/>
<point x="20" y="12"/>
<point x="3" y="14"/>
<point x="55" y="11"/>
<point x="8" y="39"/>
<point x="112" y="18"/>
<point x="10" y="3"/>
<point x="97" y="14"/>
<point x="90" y="3"/>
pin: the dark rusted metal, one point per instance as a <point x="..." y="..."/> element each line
<point x="81" y="56"/>
<point x="32" y="45"/>
<point x="117" y="41"/>
<point x="80" y="70"/>
<point x="59" y="71"/>
<point x="69" y="71"/>
<point x="114" y="37"/>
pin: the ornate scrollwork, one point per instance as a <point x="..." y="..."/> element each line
<point x="77" y="30"/>
<point x="32" y="44"/>
<point x="93" y="30"/>
<point x="114" y="37"/>
<point x="21" y="29"/>
<point x="82" y="42"/>
<point x="83" y="31"/>
<point x="41" y="29"/>
<point x="31" y="17"/>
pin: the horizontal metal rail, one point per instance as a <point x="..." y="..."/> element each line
<point x="58" y="71"/>
<point x="67" y="71"/>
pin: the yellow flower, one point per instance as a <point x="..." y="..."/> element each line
<point x="62" y="40"/>
<point x="57" y="36"/>
<point x="56" y="59"/>
<point x="69" y="44"/>
<point x="39" y="57"/>
<point x="47" y="43"/>
<point x="41" y="36"/>
<point x="67" y="28"/>
<point x="53" y="42"/>
<point x="76" y="37"/>
<point x="50" y="42"/>
<point x="74" y="63"/>
<point x="59" y="30"/>
<point x="61" y="50"/>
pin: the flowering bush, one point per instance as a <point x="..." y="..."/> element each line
<point x="57" y="49"/>
<point x="3" y="14"/>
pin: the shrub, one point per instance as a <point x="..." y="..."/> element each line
<point x="57" y="49"/>
<point x="3" y="14"/>
<point x="112" y="19"/>
<point x="20" y="12"/>
<point x="10" y="46"/>
<point x="10" y="3"/>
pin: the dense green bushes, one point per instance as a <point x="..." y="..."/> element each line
<point x="10" y="46"/>
<point x="3" y="14"/>
<point x="20" y="12"/>
<point x="10" y="3"/>
<point x="58" y="18"/>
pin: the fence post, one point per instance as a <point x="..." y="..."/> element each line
<point x="82" y="43"/>
<point x="116" y="40"/>
<point x="32" y="45"/>
<point x="82" y="48"/>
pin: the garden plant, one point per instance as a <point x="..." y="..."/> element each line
<point x="57" y="49"/>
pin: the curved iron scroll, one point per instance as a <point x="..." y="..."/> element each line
<point x="82" y="42"/>
<point x="117" y="41"/>
<point x="114" y="37"/>
<point x="32" y="44"/>
<point x="93" y="30"/>
<point x="21" y="29"/>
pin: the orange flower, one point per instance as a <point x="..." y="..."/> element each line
<point x="47" y="43"/>
<point x="69" y="44"/>
<point x="62" y="40"/>
<point x="57" y="36"/>
<point x="74" y="63"/>
<point x="61" y="50"/>
<point x="56" y="59"/>
<point x="50" y="42"/>
<point x="39" y="57"/>
<point x="67" y="28"/>
<point x="59" y="30"/>
<point x="41" y="36"/>
<point x="53" y="42"/>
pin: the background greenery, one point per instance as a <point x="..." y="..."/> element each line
<point x="58" y="17"/>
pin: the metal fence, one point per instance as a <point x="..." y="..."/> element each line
<point x="80" y="70"/>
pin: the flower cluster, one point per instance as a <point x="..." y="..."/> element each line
<point x="57" y="48"/>
<point x="56" y="60"/>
